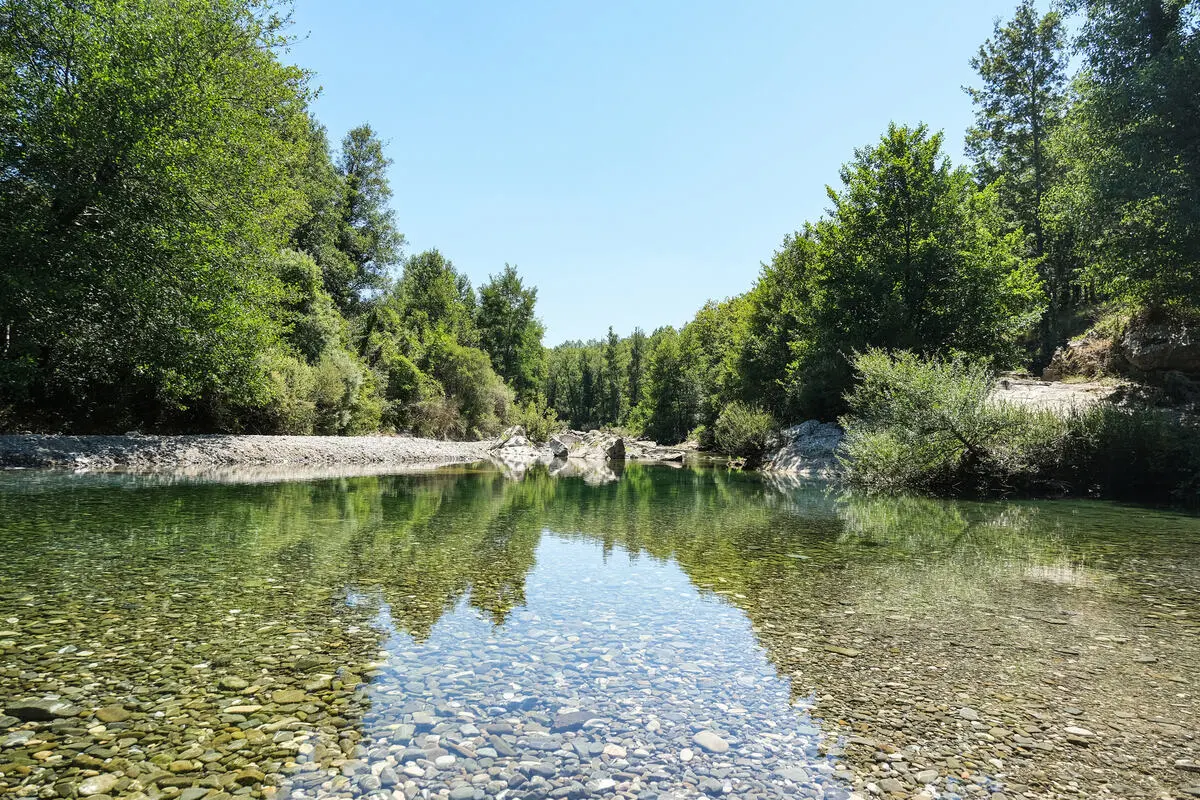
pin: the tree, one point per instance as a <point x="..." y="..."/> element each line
<point x="613" y="401"/>
<point x="147" y="157"/>
<point x="1018" y="109"/>
<point x="1134" y="147"/>
<point x="779" y="322"/>
<point x="673" y="396"/>
<point x="635" y="380"/>
<point x="368" y="234"/>
<point x="510" y="332"/>
<point x="914" y="256"/>
<point x="433" y="296"/>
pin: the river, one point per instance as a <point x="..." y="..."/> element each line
<point x="672" y="633"/>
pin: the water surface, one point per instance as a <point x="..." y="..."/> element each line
<point x="674" y="633"/>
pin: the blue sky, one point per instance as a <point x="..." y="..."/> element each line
<point x="633" y="159"/>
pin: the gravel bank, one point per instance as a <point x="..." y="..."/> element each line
<point x="155" y="453"/>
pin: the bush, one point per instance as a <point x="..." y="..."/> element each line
<point x="741" y="431"/>
<point x="539" y="421"/>
<point x="930" y="425"/>
<point x="1133" y="453"/>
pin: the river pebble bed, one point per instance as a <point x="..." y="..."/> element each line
<point x="675" y="634"/>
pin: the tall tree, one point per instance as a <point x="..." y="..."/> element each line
<point x="912" y="256"/>
<point x="368" y="234"/>
<point x="1018" y="107"/>
<point x="636" y="374"/>
<point x="510" y="331"/>
<point x="613" y="402"/>
<point x="147" y="160"/>
<point x="1135" y="146"/>
<point x="432" y="298"/>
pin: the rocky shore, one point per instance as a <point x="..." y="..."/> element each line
<point x="170" y="453"/>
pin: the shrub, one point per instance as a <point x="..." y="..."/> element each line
<point x="931" y="425"/>
<point x="539" y="421"/>
<point x="742" y="431"/>
<point x="1133" y="453"/>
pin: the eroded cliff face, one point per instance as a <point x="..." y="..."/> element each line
<point x="1151" y="347"/>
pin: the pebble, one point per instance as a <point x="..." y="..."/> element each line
<point x="711" y="742"/>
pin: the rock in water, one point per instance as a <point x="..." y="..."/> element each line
<point x="41" y="710"/>
<point x="100" y="784"/>
<point x="571" y="721"/>
<point x="711" y="742"/>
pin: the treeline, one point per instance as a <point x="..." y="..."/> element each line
<point x="1080" y="192"/>
<point x="183" y="250"/>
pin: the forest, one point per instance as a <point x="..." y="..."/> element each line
<point x="185" y="248"/>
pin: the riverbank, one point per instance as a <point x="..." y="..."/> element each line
<point x="160" y="453"/>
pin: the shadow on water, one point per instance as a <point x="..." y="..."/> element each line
<point x="357" y="633"/>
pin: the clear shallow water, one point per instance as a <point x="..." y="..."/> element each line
<point x="466" y="634"/>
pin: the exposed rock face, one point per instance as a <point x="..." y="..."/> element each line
<point x="1159" y="347"/>
<point x="1051" y="395"/>
<point x="806" y="450"/>
<point x="599" y="445"/>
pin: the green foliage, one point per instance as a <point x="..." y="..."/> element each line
<point x="433" y="297"/>
<point x="367" y="231"/>
<point x="1018" y="110"/>
<point x="912" y="256"/>
<point x="742" y="431"/>
<point x="929" y="425"/>
<point x="509" y="331"/>
<point x="673" y="396"/>
<point x="539" y="420"/>
<point x="146" y="155"/>
<point x="1132" y="146"/>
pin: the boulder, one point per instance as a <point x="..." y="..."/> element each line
<point x="807" y="450"/>
<point x="560" y="444"/>
<point x="1162" y="346"/>
<point x="511" y="438"/>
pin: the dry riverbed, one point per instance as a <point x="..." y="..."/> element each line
<point x="160" y="453"/>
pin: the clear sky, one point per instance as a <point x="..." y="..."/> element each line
<point x="632" y="159"/>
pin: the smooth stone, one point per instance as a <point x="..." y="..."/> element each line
<point x="233" y="683"/>
<point x="463" y="793"/>
<point x="571" y="721"/>
<point x="100" y="784"/>
<point x="194" y="793"/>
<point x="711" y="742"/>
<point x="686" y="755"/>
<point x="849" y="652"/>
<point x="41" y="710"/>
<point x="110" y="714"/>
<point x="288" y="697"/>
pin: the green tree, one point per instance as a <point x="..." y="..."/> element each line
<point x="1134" y="147"/>
<point x="434" y="296"/>
<point x="912" y="256"/>
<point x="635" y="379"/>
<point x="367" y="235"/>
<point x="613" y="406"/>
<point x="510" y="332"/>
<point x="673" y="395"/>
<point x="1018" y="108"/>
<point x="147" y="162"/>
<point x="779" y="321"/>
